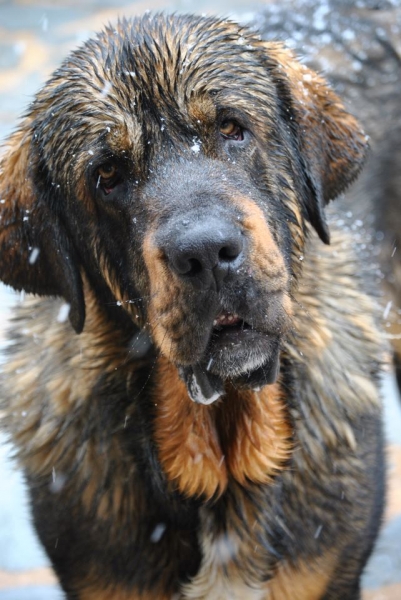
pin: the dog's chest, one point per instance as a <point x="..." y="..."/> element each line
<point x="224" y="566"/>
<point x="215" y="584"/>
<point x="232" y="569"/>
<point x="214" y="581"/>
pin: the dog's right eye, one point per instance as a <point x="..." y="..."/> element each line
<point x="107" y="177"/>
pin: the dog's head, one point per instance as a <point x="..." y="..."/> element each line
<point x="175" y="164"/>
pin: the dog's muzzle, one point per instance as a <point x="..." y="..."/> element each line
<point x="237" y="322"/>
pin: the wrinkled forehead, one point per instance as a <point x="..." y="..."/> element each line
<point x="181" y="54"/>
<point x="163" y="61"/>
<point x="132" y="77"/>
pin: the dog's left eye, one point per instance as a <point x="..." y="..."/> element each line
<point x="107" y="177"/>
<point x="107" y="171"/>
<point x="230" y="130"/>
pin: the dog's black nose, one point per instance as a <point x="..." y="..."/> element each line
<point x="204" y="253"/>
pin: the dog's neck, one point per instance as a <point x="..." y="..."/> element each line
<point x="245" y="436"/>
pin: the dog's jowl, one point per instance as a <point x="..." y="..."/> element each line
<point x="192" y="390"/>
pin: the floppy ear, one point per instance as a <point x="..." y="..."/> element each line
<point x="35" y="252"/>
<point x="332" y="144"/>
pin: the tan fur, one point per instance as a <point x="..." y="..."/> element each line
<point x="266" y="256"/>
<point x="200" y="447"/>
<point x="165" y="295"/>
<point x="255" y="433"/>
<point x="305" y="581"/>
<point x="189" y="446"/>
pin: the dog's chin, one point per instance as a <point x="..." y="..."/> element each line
<point x="242" y="356"/>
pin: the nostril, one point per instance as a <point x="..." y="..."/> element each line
<point x="185" y="265"/>
<point x="195" y="267"/>
<point x="229" y="253"/>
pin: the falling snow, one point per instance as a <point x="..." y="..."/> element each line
<point x="33" y="257"/>
<point x="387" y="309"/>
<point x="318" y="532"/>
<point x="63" y="313"/>
<point x="106" y="88"/>
<point x="158" y="533"/>
<point x="44" y="22"/>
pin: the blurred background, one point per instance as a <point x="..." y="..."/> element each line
<point x="357" y="45"/>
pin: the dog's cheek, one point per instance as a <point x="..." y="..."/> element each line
<point x="267" y="265"/>
<point x="174" y="326"/>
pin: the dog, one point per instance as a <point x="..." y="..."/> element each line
<point x="192" y="384"/>
<point x="357" y="46"/>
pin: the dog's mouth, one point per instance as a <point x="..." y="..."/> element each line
<point x="237" y="352"/>
<point x="227" y="319"/>
<point x="228" y="326"/>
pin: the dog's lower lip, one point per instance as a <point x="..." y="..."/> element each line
<point x="230" y="333"/>
<point x="240" y="332"/>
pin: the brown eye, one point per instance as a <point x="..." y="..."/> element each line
<point x="107" y="171"/>
<point x="107" y="177"/>
<point x="232" y="131"/>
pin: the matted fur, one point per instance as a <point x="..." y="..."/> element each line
<point x="169" y="183"/>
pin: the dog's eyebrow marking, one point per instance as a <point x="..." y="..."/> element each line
<point x="121" y="139"/>
<point x="202" y="109"/>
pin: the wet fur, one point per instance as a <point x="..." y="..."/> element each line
<point x="364" y="66"/>
<point x="136" y="492"/>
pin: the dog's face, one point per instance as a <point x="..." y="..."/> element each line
<point x="175" y="163"/>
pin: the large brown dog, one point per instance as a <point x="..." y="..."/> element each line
<point x="211" y="429"/>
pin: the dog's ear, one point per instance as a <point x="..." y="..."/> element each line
<point x="35" y="252"/>
<point x="332" y="144"/>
